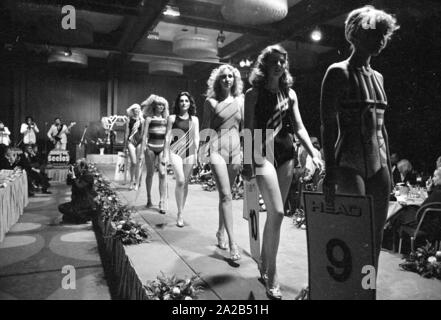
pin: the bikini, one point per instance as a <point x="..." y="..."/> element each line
<point x="156" y="134"/>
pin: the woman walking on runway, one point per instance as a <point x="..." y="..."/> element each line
<point x="133" y="142"/>
<point x="272" y="105"/>
<point x="183" y="127"/>
<point x="155" y="113"/>
<point x="353" y="102"/>
<point x="223" y="113"/>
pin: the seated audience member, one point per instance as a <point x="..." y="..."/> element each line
<point x="406" y="174"/>
<point x="4" y="135"/>
<point x="34" y="175"/>
<point x="82" y="207"/>
<point x="394" y="159"/>
<point x="5" y="158"/>
<point x="432" y="223"/>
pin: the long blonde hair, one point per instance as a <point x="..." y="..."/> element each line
<point x="214" y="88"/>
<point x="151" y="102"/>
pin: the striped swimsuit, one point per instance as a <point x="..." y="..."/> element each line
<point x="226" y="118"/>
<point x="275" y="111"/>
<point x="156" y="134"/>
<point x="183" y="141"/>
<point x="360" y="144"/>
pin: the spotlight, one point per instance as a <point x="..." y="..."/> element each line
<point x="242" y="63"/>
<point x="316" y="35"/>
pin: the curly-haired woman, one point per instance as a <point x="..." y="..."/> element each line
<point x="223" y="113"/>
<point x="153" y="137"/>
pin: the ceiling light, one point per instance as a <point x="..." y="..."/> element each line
<point x="67" y="52"/>
<point x="171" y="11"/>
<point x="220" y="39"/>
<point x="316" y="35"/>
<point x="153" y="35"/>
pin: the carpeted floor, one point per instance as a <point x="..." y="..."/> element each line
<point x="38" y="247"/>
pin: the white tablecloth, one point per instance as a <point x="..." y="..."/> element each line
<point x="13" y="200"/>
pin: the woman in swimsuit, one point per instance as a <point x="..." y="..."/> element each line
<point x="155" y="113"/>
<point x="133" y="142"/>
<point x="353" y="102"/>
<point x="223" y="112"/>
<point x="182" y="140"/>
<point x="271" y="106"/>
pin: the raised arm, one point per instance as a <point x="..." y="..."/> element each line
<point x="23" y="128"/>
<point x="36" y="128"/>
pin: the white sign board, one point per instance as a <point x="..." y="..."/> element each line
<point x="341" y="247"/>
<point x="251" y="210"/>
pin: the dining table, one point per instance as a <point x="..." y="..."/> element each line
<point x="13" y="198"/>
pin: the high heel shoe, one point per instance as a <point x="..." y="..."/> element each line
<point x="221" y="242"/>
<point x="180" y="222"/>
<point x="274" y="293"/>
<point x="234" y="253"/>
<point x="161" y="207"/>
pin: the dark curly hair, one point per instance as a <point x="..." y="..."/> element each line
<point x="191" y="110"/>
<point x="259" y="74"/>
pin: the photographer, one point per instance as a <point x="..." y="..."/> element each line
<point x="29" y="131"/>
<point x="82" y="207"/>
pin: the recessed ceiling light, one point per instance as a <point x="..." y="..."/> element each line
<point x="316" y="35"/>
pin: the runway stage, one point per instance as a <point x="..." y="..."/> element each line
<point x="193" y="250"/>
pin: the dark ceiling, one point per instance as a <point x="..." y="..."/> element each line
<point x="119" y="29"/>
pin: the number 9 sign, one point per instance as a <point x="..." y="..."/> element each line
<point x="340" y="246"/>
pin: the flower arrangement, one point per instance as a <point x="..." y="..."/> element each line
<point x="299" y="218"/>
<point x="172" y="288"/>
<point x="426" y="261"/>
<point x="119" y="215"/>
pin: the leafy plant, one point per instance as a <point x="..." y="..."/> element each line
<point x="173" y="288"/>
<point x="426" y="261"/>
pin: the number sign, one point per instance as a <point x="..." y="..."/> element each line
<point x="340" y="245"/>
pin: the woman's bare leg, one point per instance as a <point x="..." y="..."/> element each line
<point x="274" y="194"/>
<point x="150" y="167"/>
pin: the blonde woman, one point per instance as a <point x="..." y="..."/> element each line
<point x="353" y="103"/>
<point x="133" y="141"/>
<point x="156" y="113"/>
<point x="223" y="113"/>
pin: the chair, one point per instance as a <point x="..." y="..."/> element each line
<point x="413" y="232"/>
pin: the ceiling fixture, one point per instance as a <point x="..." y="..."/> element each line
<point x="220" y="38"/>
<point x="67" y="57"/>
<point x="254" y="11"/>
<point x="166" y="67"/>
<point x="172" y="11"/>
<point x="195" y="45"/>
<point x="67" y="52"/>
<point x="316" y="35"/>
<point x="245" y="63"/>
<point x="153" y="35"/>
